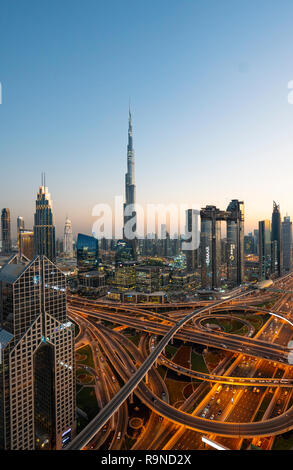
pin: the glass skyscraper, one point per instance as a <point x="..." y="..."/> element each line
<point x="37" y="376"/>
<point x="44" y="229"/>
<point x="264" y="249"/>
<point x="130" y="192"/>
<point x="6" y="231"/>
<point x="235" y="242"/>
<point x="87" y="253"/>
<point x="276" y="239"/>
<point x="210" y="246"/>
<point x="287" y="244"/>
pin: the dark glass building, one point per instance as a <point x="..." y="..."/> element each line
<point x="6" y="231"/>
<point x="210" y="246"/>
<point x="264" y="249"/>
<point x="123" y="252"/>
<point x="87" y="253"/>
<point x="235" y="242"/>
<point x="287" y="244"/>
<point x="44" y="229"/>
<point x="276" y="239"/>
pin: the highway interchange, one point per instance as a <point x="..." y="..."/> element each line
<point x="264" y="369"/>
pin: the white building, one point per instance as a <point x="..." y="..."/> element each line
<point x="68" y="243"/>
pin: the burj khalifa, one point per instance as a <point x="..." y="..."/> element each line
<point x="129" y="228"/>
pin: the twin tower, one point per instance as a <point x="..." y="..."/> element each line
<point x="211" y="245"/>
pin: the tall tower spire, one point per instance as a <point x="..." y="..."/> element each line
<point x="130" y="189"/>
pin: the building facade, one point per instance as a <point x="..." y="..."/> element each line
<point x="20" y="224"/>
<point x="191" y="227"/>
<point x="235" y="242"/>
<point x="264" y="249"/>
<point x="44" y="229"/>
<point x="87" y="253"/>
<point x="287" y="244"/>
<point x="276" y="239"/>
<point x="68" y="240"/>
<point x="129" y="213"/>
<point x="6" y="231"/>
<point x="26" y="243"/>
<point x="37" y="373"/>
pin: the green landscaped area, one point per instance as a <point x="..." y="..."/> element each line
<point x="84" y="377"/>
<point x="198" y="363"/>
<point x="88" y="360"/>
<point x="227" y="325"/>
<point x="175" y="389"/>
<point x="283" y="442"/>
<point x="256" y="321"/>
<point x="87" y="402"/>
<point x="170" y="351"/>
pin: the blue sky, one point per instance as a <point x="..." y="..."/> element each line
<point x="208" y="87"/>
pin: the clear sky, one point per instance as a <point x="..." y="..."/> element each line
<point x="208" y="81"/>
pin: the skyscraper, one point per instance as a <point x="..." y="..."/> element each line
<point x="235" y="242"/>
<point x="276" y="239"/>
<point x="287" y="244"/>
<point x="130" y="193"/>
<point x="264" y="249"/>
<point x="37" y="376"/>
<point x="44" y="229"/>
<point x="87" y="253"/>
<point x="68" y="242"/>
<point x="20" y="224"/>
<point x="210" y="246"/>
<point x="6" y="231"/>
<point x="26" y="243"/>
<point x="192" y="255"/>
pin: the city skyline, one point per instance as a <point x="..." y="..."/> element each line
<point x="231" y="100"/>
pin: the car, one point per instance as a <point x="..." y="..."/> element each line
<point x="219" y="412"/>
<point x="212" y="417"/>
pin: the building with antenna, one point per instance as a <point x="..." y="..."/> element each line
<point x="129" y="214"/>
<point x="44" y="229"/>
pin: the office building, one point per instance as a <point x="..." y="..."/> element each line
<point x="6" y="231"/>
<point x="68" y="241"/>
<point x="44" y="229"/>
<point x="191" y="227"/>
<point x="26" y="243"/>
<point x="235" y="242"/>
<point x="87" y="253"/>
<point x="210" y="246"/>
<point x="287" y="244"/>
<point x="264" y="249"/>
<point x="37" y="373"/>
<point x="20" y="224"/>
<point x="276" y="239"/>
